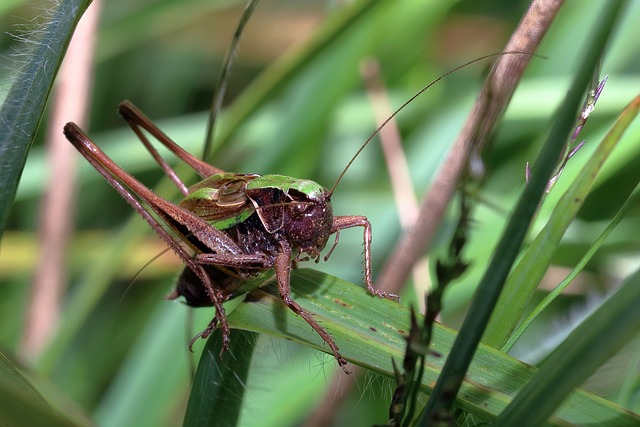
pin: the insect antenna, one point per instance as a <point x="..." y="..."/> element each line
<point x="134" y="279"/>
<point x="221" y="85"/>
<point x="420" y="92"/>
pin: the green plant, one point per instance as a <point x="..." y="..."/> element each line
<point x="305" y="117"/>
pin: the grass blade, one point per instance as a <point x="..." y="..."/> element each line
<point x="607" y="330"/>
<point x="531" y="268"/>
<point x="352" y="317"/>
<point x="22" y="405"/>
<point x="491" y="285"/>
<point x="24" y="105"/>
<point x="143" y="391"/>
<point x="275" y="78"/>
<point x="566" y="210"/>
<point x="219" y="385"/>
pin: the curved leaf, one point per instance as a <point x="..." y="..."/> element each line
<point x="353" y="317"/>
<point x="219" y="384"/>
<point x="22" y="405"/>
<point x="603" y="333"/>
<point x="24" y="105"/>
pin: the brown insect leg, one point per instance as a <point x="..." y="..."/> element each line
<point x="227" y="260"/>
<point x="283" y="270"/>
<point x="342" y="222"/>
<point x="220" y="319"/>
<point x="113" y="174"/>
<point x="335" y="243"/>
<point x="136" y="119"/>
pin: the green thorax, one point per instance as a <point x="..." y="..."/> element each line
<point x="222" y="199"/>
<point x="285" y="183"/>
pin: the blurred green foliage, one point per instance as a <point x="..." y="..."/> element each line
<point x="164" y="55"/>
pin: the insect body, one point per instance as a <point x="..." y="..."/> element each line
<point x="236" y="225"/>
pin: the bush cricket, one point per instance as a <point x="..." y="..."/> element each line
<point x="237" y="226"/>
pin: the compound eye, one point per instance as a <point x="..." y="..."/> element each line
<point x="300" y="204"/>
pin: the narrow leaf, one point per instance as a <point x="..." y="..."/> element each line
<point x="20" y="115"/>
<point x="219" y="384"/>
<point x="491" y="284"/>
<point x="534" y="264"/>
<point x="603" y="333"/>
<point x="370" y="332"/>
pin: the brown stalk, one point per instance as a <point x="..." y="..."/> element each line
<point x="69" y="102"/>
<point x="488" y="109"/>
<point x="407" y="207"/>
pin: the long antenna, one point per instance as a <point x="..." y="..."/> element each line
<point x="420" y="92"/>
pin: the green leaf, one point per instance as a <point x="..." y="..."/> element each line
<point x="220" y="383"/>
<point x="21" y="112"/>
<point x="603" y="333"/>
<point x="12" y="377"/>
<point x="537" y="258"/>
<point x="114" y="363"/>
<point x="22" y="405"/>
<point x="352" y="317"/>
<point x="143" y="393"/>
<point x="535" y="262"/>
<point x="493" y="280"/>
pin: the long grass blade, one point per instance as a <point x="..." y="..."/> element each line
<point x="535" y="262"/>
<point x="352" y="317"/>
<point x="603" y="333"/>
<point x="453" y="372"/>
<point x="22" y="110"/>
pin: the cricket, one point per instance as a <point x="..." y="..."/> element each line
<point x="230" y="228"/>
<point x="235" y="225"/>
